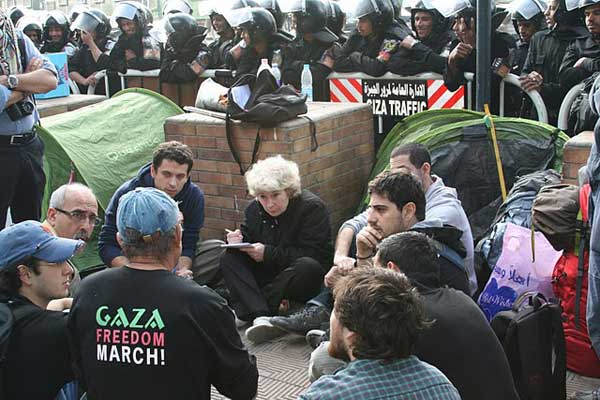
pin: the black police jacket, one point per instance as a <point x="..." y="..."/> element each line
<point x="175" y="66"/>
<point x="218" y="52"/>
<point x="146" y="49"/>
<point x="582" y="47"/>
<point x="301" y="52"/>
<point x="359" y="54"/>
<point x="425" y="56"/>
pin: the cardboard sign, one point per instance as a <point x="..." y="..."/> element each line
<point x="60" y="63"/>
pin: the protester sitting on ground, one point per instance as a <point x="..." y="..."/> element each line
<point x="34" y="281"/>
<point x="169" y="171"/>
<point x="290" y="247"/>
<point x="376" y="38"/>
<point x="129" y="326"/>
<point x="32" y="28"/>
<point x="546" y="51"/>
<point x="135" y="48"/>
<point x="56" y="36"/>
<point x="93" y="54"/>
<point x="422" y="51"/>
<point x="459" y="342"/>
<point x="441" y="203"/>
<point x="72" y="214"/>
<point x="376" y="322"/>
<point x="185" y="57"/>
<point x="314" y="45"/>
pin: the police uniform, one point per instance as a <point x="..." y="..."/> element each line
<point x="21" y="152"/>
<point x="146" y="48"/>
<point x="83" y="62"/>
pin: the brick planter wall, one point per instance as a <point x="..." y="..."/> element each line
<point x="576" y="152"/>
<point x="337" y="171"/>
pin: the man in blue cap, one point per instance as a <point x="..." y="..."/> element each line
<point x="34" y="273"/>
<point x="133" y="324"/>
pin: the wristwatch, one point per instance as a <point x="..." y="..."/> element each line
<point x="12" y="82"/>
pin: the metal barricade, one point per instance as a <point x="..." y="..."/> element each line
<point x="565" y="106"/>
<point x="534" y="95"/>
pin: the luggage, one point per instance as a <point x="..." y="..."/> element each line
<point x="531" y="332"/>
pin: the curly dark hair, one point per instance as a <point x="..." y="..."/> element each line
<point x="174" y="151"/>
<point x="400" y="187"/>
<point x="412" y="252"/>
<point x="10" y="283"/>
<point x="383" y="309"/>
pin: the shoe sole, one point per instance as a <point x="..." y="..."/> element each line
<point x="258" y="334"/>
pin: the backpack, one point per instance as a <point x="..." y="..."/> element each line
<point x="7" y="321"/>
<point x="267" y="105"/>
<point x="531" y="332"/>
<point x="570" y="283"/>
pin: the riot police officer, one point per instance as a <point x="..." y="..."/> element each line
<point x="94" y="54"/>
<point x="370" y="46"/>
<point x="15" y="13"/>
<point x="422" y="51"/>
<point x="32" y="28"/>
<point x="336" y="20"/>
<point x="135" y="48"/>
<point x="227" y="37"/>
<point x="177" y="6"/>
<point x="312" y="45"/>
<point x="185" y="57"/>
<point x="56" y="34"/>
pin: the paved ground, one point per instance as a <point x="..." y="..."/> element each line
<point x="282" y="365"/>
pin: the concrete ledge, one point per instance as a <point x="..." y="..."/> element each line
<point x="575" y="155"/>
<point x="61" y="105"/>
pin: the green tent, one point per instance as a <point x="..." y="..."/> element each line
<point x="104" y="145"/>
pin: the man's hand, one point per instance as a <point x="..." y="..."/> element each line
<point x="343" y="261"/>
<point x="408" y="42"/>
<point x="60" y="304"/>
<point x="234" y="237"/>
<point x="184" y="273"/>
<point x="34" y="64"/>
<point x="460" y="52"/>
<point x="579" y="63"/>
<point x="335" y="273"/>
<point x="236" y="52"/>
<point x="91" y="80"/>
<point x="366" y="242"/>
<point x="530" y="82"/>
<point x="256" y="252"/>
<point x="327" y="59"/>
<point x="129" y="54"/>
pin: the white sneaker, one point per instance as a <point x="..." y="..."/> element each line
<point x="262" y="331"/>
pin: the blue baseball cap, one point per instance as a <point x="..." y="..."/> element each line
<point x="146" y="211"/>
<point x="30" y="239"/>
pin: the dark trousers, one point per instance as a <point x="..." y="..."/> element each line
<point x="23" y="181"/>
<point x="257" y="290"/>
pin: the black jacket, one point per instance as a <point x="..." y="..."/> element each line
<point x="175" y="66"/>
<point x="299" y="53"/>
<point x="359" y="54"/>
<point x="83" y="62"/>
<point x="303" y="230"/>
<point x="218" y="52"/>
<point x="146" y="49"/>
<point x="582" y="47"/>
<point x="423" y="57"/>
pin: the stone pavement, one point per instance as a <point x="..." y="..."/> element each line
<point x="282" y="365"/>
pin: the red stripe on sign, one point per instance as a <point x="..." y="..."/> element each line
<point x="344" y="91"/>
<point x="356" y="85"/>
<point x="333" y="98"/>
<point x="458" y="95"/>
<point x="436" y="96"/>
<point x="429" y="83"/>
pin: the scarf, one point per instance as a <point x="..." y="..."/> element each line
<point x="9" y="49"/>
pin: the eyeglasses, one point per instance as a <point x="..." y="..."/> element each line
<point x="81" y="216"/>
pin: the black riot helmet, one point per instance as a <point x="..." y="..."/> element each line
<point x="183" y="32"/>
<point x="336" y="17"/>
<point x="467" y="9"/>
<point x="15" y="13"/>
<point x="259" y="23"/>
<point x="380" y="12"/>
<point x="568" y="13"/>
<point x="311" y="17"/>
<point x="584" y="3"/>
<point x="225" y="7"/>
<point x="76" y="10"/>
<point x="92" y="20"/>
<point x="528" y="10"/>
<point x="440" y="24"/>
<point x="272" y="6"/>
<point x="133" y="11"/>
<point x="29" y="24"/>
<point x="56" y="19"/>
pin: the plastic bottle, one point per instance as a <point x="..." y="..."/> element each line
<point x="264" y="64"/>
<point x="276" y="73"/>
<point x="307" y="82"/>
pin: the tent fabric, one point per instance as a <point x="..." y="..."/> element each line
<point x="104" y="145"/>
<point x="462" y="154"/>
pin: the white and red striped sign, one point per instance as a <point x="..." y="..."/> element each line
<point x="346" y="90"/>
<point x="438" y="96"/>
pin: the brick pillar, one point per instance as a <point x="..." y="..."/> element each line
<point x="336" y="171"/>
<point x="575" y="155"/>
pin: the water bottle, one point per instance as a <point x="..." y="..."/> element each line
<point x="264" y="65"/>
<point x="307" y="83"/>
<point x="276" y="73"/>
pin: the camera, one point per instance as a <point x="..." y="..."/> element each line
<point x="19" y="110"/>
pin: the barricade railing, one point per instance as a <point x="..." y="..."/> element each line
<point x="534" y="95"/>
<point x="565" y="106"/>
<point x="91" y="88"/>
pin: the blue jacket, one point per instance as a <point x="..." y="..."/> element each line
<point x="593" y="296"/>
<point x="191" y="204"/>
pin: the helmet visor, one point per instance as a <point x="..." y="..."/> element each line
<point x="360" y="8"/>
<point x="290" y="6"/>
<point x="28" y="22"/>
<point x="85" y="22"/>
<point x="58" y="17"/>
<point x="585" y="3"/>
<point x="528" y="8"/>
<point x="238" y="17"/>
<point x="449" y="8"/>
<point x="124" y="10"/>
<point x="175" y="6"/>
<point x="571" y="4"/>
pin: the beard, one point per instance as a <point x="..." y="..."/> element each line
<point x="338" y="349"/>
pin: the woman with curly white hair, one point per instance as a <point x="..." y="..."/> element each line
<point x="289" y="249"/>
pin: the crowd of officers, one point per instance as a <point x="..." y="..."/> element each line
<point x="556" y="45"/>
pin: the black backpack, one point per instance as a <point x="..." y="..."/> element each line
<point x="7" y="321"/>
<point x="267" y="106"/>
<point x="531" y="332"/>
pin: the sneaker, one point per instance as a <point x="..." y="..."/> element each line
<point x="312" y="316"/>
<point x="262" y="331"/>
<point x="315" y="337"/>
<point x="595" y="395"/>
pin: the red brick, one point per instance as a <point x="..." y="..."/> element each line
<point x="230" y="191"/>
<point x="301" y="144"/>
<point x="217" y="201"/>
<point x="576" y="155"/>
<point x="208" y="233"/>
<point x="327" y="149"/>
<point x="217" y="224"/>
<point x="205" y="165"/>
<point x="211" y="130"/>
<point x="212" y="177"/>
<point x="179" y="129"/>
<point x="240" y="144"/>
<point x="208" y="188"/>
<point x="276" y="148"/>
<point x="219" y="155"/>
<point x="212" y="212"/>
<point x="233" y="215"/>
